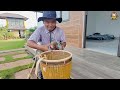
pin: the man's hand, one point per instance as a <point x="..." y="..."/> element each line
<point x="63" y="45"/>
<point x="54" y="46"/>
<point x="57" y="46"/>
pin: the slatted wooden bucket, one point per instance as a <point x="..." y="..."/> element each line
<point x="56" y="65"/>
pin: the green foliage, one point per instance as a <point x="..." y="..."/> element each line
<point x="30" y="31"/>
<point x="4" y="34"/>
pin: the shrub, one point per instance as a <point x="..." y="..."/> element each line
<point x="5" y="34"/>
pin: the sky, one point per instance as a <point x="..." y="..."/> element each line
<point x="31" y="22"/>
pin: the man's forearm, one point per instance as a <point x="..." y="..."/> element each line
<point x="34" y="45"/>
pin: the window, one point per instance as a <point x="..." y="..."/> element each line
<point x="58" y="14"/>
<point x="64" y="14"/>
<point x="15" y="23"/>
<point x="39" y="14"/>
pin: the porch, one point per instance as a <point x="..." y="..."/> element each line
<point x="88" y="64"/>
<point x="93" y="65"/>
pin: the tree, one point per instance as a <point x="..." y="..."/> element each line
<point x="4" y="34"/>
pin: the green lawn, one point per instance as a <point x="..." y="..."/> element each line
<point x="8" y="45"/>
<point x="9" y="73"/>
<point x="11" y="44"/>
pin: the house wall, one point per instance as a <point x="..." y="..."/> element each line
<point x="91" y="22"/>
<point x="107" y="26"/>
<point x="74" y="28"/>
<point x="97" y="21"/>
<point x="15" y="33"/>
<point x="100" y="21"/>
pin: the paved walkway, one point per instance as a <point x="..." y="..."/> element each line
<point x="19" y="56"/>
<point x="16" y="53"/>
<point x="12" y="53"/>
<point x="24" y="74"/>
<point x="15" y="64"/>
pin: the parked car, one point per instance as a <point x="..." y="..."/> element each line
<point x="109" y="36"/>
<point x="98" y="36"/>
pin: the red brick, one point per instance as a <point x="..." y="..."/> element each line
<point x="74" y="36"/>
<point x="74" y="28"/>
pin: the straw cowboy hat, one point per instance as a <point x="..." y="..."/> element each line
<point x="49" y="15"/>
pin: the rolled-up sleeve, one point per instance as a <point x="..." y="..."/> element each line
<point x="63" y="38"/>
<point x="35" y="35"/>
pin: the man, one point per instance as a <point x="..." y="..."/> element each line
<point x="48" y="34"/>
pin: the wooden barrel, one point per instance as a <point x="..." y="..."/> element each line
<point x="56" y="64"/>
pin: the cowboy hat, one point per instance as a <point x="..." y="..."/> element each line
<point x="49" y="15"/>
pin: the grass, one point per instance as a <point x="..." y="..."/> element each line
<point x="11" y="44"/>
<point x="9" y="73"/>
<point x="8" y="45"/>
<point x="8" y="58"/>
